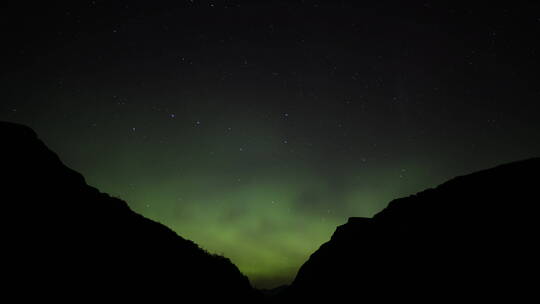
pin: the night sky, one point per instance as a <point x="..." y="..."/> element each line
<point x="254" y="128"/>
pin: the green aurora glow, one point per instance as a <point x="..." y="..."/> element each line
<point x="254" y="129"/>
<point x="266" y="214"/>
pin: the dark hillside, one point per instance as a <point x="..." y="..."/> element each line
<point x="65" y="240"/>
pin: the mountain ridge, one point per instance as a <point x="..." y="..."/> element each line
<point x="93" y="243"/>
<point x="456" y="240"/>
<point x="472" y="237"/>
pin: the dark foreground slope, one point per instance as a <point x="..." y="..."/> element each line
<point x="472" y="238"/>
<point x="64" y="240"/>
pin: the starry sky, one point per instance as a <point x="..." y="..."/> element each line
<point x="254" y="128"/>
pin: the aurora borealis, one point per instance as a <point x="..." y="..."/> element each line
<point x="254" y="129"/>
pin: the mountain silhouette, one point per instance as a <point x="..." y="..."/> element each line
<point x="473" y="238"/>
<point x="66" y="241"/>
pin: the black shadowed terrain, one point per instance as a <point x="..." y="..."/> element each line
<point x="66" y="241"/>
<point x="473" y="238"/>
